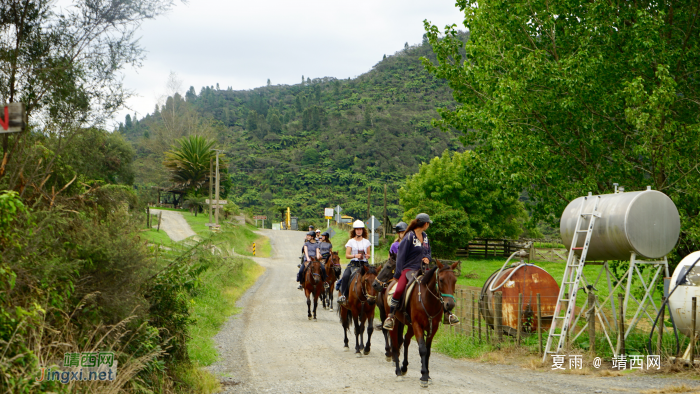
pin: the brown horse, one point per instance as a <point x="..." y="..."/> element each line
<point x="312" y="284"/>
<point x="327" y="295"/>
<point x="380" y="284"/>
<point x="433" y="294"/>
<point x="360" y="305"/>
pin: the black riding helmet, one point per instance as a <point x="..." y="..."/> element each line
<point x="401" y="226"/>
<point x="311" y="233"/>
<point x="326" y="234"/>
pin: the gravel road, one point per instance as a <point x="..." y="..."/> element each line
<point x="174" y="224"/>
<point x="271" y="347"/>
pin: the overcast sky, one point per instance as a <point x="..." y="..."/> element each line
<point x="243" y="43"/>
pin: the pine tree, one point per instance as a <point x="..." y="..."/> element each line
<point x="127" y="121"/>
<point x="302" y="79"/>
<point x="268" y="82"/>
<point x="384" y="58"/>
<point x="252" y="121"/>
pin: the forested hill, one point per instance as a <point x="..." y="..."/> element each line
<point x="316" y="144"/>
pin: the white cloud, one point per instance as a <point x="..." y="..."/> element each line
<point x="242" y="43"/>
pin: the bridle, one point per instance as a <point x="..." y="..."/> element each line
<point x="364" y="292"/>
<point x="386" y="284"/>
<point x="439" y="298"/>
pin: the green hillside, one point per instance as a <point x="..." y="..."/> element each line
<point x="316" y="144"/>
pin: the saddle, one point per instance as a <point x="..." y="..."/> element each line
<point x="412" y="277"/>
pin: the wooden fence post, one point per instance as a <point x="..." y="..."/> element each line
<point x="692" y="338"/>
<point x="498" y="311"/>
<point x="479" y="318"/>
<point x="539" y="323"/>
<point x="160" y="216"/>
<point x="473" y="315"/>
<point x="520" y="316"/>
<point x="148" y="217"/>
<point x="591" y="322"/>
<point x="621" y="342"/>
<point x="659" y="340"/>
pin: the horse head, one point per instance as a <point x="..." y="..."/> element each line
<point x="385" y="274"/>
<point x="315" y="269"/>
<point x="368" y="274"/>
<point x="446" y="283"/>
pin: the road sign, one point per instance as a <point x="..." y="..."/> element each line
<point x="214" y="204"/>
<point x="373" y="223"/>
<point x="260" y="217"/>
<point x="338" y="209"/>
<point x="375" y="239"/>
<point x="13" y="118"/>
<point x="331" y="232"/>
<point x="328" y="213"/>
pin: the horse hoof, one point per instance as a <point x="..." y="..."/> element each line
<point x="404" y="372"/>
<point x="430" y="381"/>
<point x="399" y="378"/>
<point x="315" y="319"/>
<point x="331" y="309"/>
<point x="388" y="359"/>
<point x="424" y="384"/>
<point x="358" y="355"/>
<point x="366" y="352"/>
<point x="309" y="317"/>
<point x="346" y="349"/>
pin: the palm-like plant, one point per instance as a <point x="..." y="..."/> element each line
<point x="194" y="203"/>
<point x="188" y="163"/>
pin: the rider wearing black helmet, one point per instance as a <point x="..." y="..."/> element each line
<point x="311" y="249"/>
<point x="400" y="231"/>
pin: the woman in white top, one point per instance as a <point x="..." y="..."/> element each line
<point x="357" y="250"/>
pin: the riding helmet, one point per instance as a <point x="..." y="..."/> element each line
<point x="401" y="226"/>
<point x="423" y="218"/>
<point x="311" y="233"/>
<point x="326" y="234"/>
<point x="358" y="224"/>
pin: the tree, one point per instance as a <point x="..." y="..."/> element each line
<point x="252" y="121"/>
<point x="194" y="203"/>
<point x="462" y="191"/>
<point x="188" y="163"/>
<point x="274" y="121"/>
<point x="268" y="82"/>
<point x="611" y="97"/>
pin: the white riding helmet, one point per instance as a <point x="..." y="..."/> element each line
<point x="358" y="224"/>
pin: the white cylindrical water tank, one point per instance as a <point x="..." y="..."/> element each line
<point x="680" y="302"/>
<point x="644" y="222"/>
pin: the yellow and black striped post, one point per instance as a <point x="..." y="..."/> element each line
<point x="253" y="248"/>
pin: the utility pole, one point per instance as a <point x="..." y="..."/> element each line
<point x="385" y="218"/>
<point x="217" y="187"/>
<point x="211" y="184"/>
<point x="369" y="192"/>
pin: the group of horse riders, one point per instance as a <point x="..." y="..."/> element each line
<point x="411" y="250"/>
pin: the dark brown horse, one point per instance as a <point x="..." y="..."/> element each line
<point x="385" y="275"/>
<point x="327" y="295"/>
<point x="433" y="294"/>
<point x="313" y="284"/>
<point x="360" y="306"/>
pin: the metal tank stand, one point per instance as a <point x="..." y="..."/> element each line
<point x="642" y="305"/>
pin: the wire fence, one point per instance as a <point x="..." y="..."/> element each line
<point x="525" y="320"/>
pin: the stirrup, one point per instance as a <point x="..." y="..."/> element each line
<point x="342" y="300"/>
<point x="389" y="322"/>
<point x="451" y="319"/>
<point x="300" y="287"/>
<point x="325" y="285"/>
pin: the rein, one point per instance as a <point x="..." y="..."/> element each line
<point x="440" y="298"/>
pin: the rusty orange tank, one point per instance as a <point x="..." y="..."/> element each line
<point x="529" y="280"/>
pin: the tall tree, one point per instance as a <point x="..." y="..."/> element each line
<point x="569" y="97"/>
<point x="188" y="162"/>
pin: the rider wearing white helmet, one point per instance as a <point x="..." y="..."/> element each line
<point x="356" y="249"/>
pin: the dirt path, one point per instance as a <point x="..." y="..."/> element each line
<point x="271" y="347"/>
<point x="174" y="224"/>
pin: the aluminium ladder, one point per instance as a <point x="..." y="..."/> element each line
<point x="572" y="277"/>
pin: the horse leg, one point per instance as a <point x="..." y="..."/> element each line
<point x="357" y="335"/>
<point x="423" y="351"/>
<point x="406" y="344"/>
<point x="315" y="304"/>
<point x="308" y="305"/>
<point x="396" y="336"/>
<point x="429" y="345"/>
<point x="330" y="296"/>
<point x="344" y="321"/>
<point x="382" y="317"/>
<point x="370" y="330"/>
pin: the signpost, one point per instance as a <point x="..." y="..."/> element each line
<point x="373" y="224"/>
<point x="338" y="209"/>
<point x="13" y="118"/>
<point x="328" y="213"/>
<point x="260" y="217"/>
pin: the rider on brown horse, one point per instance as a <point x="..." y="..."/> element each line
<point x="414" y="251"/>
<point x="357" y="249"/>
<point x="311" y="249"/>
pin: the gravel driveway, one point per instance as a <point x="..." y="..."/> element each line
<point x="174" y="224"/>
<point x="271" y="347"/>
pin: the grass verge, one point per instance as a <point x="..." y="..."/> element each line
<point x="215" y="302"/>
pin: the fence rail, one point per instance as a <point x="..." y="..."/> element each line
<point x="491" y="247"/>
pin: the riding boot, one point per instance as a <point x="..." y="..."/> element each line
<point x="389" y="322"/>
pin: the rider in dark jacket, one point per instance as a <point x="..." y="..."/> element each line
<point x="414" y="252"/>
